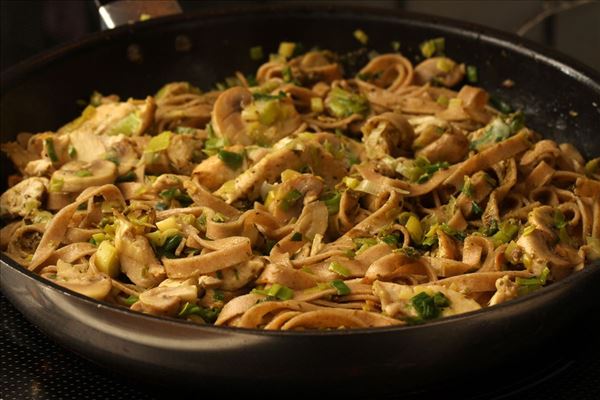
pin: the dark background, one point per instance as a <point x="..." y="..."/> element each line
<point x="28" y="27"/>
<point x="33" y="367"/>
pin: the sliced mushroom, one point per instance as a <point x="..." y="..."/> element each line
<point x="441" y="69"/>
<point x="22" y="198"/>
<point x="75" y="176"/>
<point x="81" y="280"/>
<point x="387" y="134"/>
<point x="306" y="187"/>
<point x="165" y="300"/>
<point x="227" y="118"/>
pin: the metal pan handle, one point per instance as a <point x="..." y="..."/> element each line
<point x="114" y="13"/>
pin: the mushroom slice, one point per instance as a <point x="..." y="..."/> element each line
<point x="439" y="69"/>
<point x="81" y="280"/>
<point x="75" y="176"/>
<point x="227" y="118"/>
<point x="165" y="300"/>
<point x="25" y="196"/>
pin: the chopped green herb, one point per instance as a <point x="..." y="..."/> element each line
<point x="363" y="244"/>
<point x="467" y="188"/>
<point x="231" y="159"/>
<point x="82" y="173"/>
<point x="269" y="243"/>
<point x="296" y="237"/>
<point x="491" y="228"/>
<point x="342" y="103"/>
<point x="341" y="287"/>
<point x="160" y="206"/>
<point x="131" y="300"/>
<point x="268" y="97"/>
<point x="498" y="130"/>
<point x="395" y="45"/>
<point x="72" y="151"/>
<point x="420" y="170"/>
<point x="559" y="219"/>
<point x="592" y="167"/>
<point x="332" y="201"/>
<point x="500" y="105"/>
<point x="56" y="185"/>
<point x="209" y="315"/>
<point x="528" y="285"/>
<point x="251" y="79"/>
<point x="218" y="217"/>
<point x="528" y="230"/>
<point x="286" y="72"/>
<point x="506" y="232"/>
<point x="409" y="252"/>
<point x="159" y="142"/>
<point x="185" y="130"/>
<point x="112" y="156"/>
<point x="218" y="295"/>
<point x="290" y="199"/>
<point x="339" y="269"/>
<point x="433" y="47"/>
<point x="171" y="244"/>
<point x="475" y="209"/>
<point x="448" y="230"/>
<point x="128" y="177"/>
<point x="429" y="307"/>
<point x="49" y="144"/>
<point x="361" y="36"/>
<point x="472" y="74"/>
<point x="392" y="240"/>
<point x="256" y="53"/>
<point x="214" y="143"/>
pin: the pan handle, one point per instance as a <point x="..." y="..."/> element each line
<point x="114" y="13"/>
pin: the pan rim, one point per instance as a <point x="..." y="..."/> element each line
<point x="566" y="64"/>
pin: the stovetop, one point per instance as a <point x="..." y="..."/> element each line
<point x="34" y="367"/>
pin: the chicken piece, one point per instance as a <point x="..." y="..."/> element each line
<point x="136" y="256"/>
<point x="396" y="299"/>
<point x="505" y="290"/>
<point x="76" y="176"/>
<point x="476" y="189"/>
<point x="213" y="172"/>
<point x="387" y="134"/>
<point x="542" y="253"/>
<point x="286" y="199"/>
<point x="24" y="197"/>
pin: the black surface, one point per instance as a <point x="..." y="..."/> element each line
<point x="33" y="367"/>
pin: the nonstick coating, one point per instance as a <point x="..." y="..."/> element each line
<point x="41" y="94"/>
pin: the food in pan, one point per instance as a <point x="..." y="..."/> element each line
<point x="313" y="195"/>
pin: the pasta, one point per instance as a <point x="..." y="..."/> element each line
<point x="307" y="197"/>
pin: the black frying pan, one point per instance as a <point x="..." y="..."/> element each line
<point x="41" y="94"/>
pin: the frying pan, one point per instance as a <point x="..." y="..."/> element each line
<point x="205" y="47"/>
